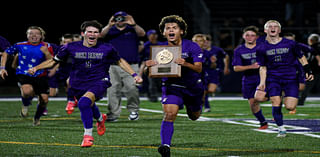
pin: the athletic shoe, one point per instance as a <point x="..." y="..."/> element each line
<point x="70" y="107"/>
<point x="87" y="141"/>
<point x="45" y="112"/>
<point x="133" y="116"/>
<point x="24" y="111"/>
<point x="164" y="151"/>
<point x="36" y="122"/>
<point x="263" y="126"/>
<point x="282" y="133"/>
<point x="207" y="110"/>
<point x="101" y="128"/>
<point x="293" y="111"/>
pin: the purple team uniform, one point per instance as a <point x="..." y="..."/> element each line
<point x="245" y="56"/>
<point x="90" y="67"/>
<point x="280" y="60"/>
<point x="214" y="74"/>
<point x="187" y="89"/>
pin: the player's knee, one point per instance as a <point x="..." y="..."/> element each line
<point x="290" y="108"/>
<point x="169" y="116"/>
<point x="84" y="102"/>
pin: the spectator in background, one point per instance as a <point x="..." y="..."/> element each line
<point x="153" y="83"/>
<point x="123" y="33"/>
<point x="314" y="60"/>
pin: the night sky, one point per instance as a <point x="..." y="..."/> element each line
<point x="58" y="18"/>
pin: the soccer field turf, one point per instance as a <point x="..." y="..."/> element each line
<point x="228" y="130"/>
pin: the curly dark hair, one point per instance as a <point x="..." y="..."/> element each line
<point x="174" y="19"/>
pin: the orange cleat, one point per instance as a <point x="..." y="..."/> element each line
<point x="293" y="111"/>
<point x="87" y="141"/>
<point x="70" y="107"/>
<point x="263" y="126"/>
<point x="101" y="128"/>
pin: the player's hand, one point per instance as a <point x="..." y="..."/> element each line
<point x="111" y="21"/>
<point x="213" y="59"/>
<point x="138" y="79"/>
<point x="32" y="71"/>
<point x="3" y="73"/>
<point x="226" y="71"/>
<point x="150" y="63"/>
<point x="130" y="20"/>
<point x="309" y="77"/>
<point x="180" y="61"/>
<point x="261" y="87"/>
<point x="255" y="66"/>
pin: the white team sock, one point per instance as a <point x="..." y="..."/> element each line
<point x="88" y="131"/>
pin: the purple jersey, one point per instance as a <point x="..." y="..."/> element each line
<point x="126" y="42"/>
<point x="190" y="79"/>
<point x="4" y="44"/>
<point x="220" y="54"/>
<point x="280" y="59"/>
<point x="89" y="64"/>
<point x="245" y="56"/>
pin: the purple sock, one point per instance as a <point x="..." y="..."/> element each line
<point x="277" y="115"/>
<point x="26" y="101"/>
<point x="166" y="132"/>
<point x="86" y="112"/>
<point x="95" y="111"/>
<point x="260" y="116"/>
<point x="206" y="101"/>
<point x="39" y="112"/>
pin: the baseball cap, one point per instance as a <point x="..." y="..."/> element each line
<point x="120" y="13"/>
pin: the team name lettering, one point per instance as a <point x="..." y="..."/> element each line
<point x="88" y="55"/>
<point x="248" y="55"/>
<point x="277" y="51"/>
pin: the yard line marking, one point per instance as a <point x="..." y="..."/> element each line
<point x="177" y="148"/>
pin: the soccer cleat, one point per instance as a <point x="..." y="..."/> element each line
<point x="45" y="112"/>
<point x="282" y="133"/>
<point x="133" y="116"/>
<point x="24" y="111"/>
<point x="263" y="126"/>
<point x="207" y="110"/>
<point x="70" y="107"/>
<point x="101" y="128"/>
<point x="164" y="150"/>
<point x="36" y="122"/>
<point x="293" y="111"/>
<point x="87" y="141"/>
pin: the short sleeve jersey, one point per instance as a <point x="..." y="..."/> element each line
<point x="280" y="58"/>
<point x="89" y="64"/>
<point x="192" y="53"/>
<point x="29" y="56"/>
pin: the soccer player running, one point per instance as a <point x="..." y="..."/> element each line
<point x="187" y="89"/>
<point x="277" y="58"/>
<point x="244" y="60"/>
<point x="31" y="53"/>
<point x="89" y="77"/>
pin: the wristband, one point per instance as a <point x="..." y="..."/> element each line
<point x="307" y="69"/>
<point x="2" y="67"/>
<point x="134" y="74"/>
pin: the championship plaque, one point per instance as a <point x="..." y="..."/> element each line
<point x="165" y="57"/>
